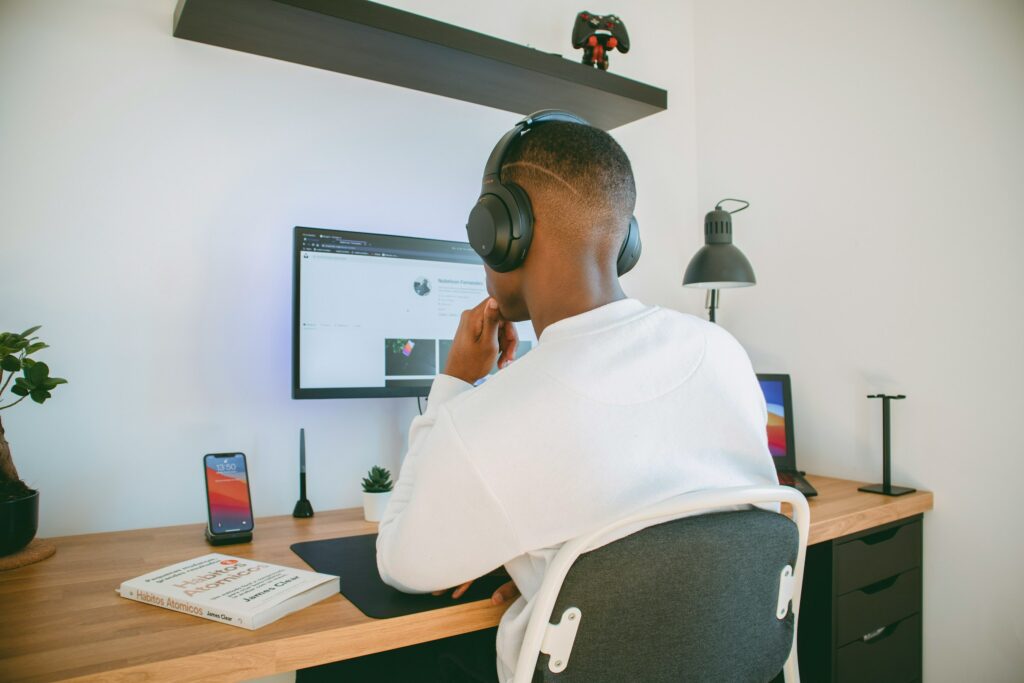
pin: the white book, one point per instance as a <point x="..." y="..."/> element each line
<point x="231" y="590"/>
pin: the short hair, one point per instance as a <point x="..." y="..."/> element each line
<point x="578" y="172"/>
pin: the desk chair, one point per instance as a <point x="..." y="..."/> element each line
<point x="712" y="597"/>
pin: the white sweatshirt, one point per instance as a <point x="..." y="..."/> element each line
<point x="614" y="409"/>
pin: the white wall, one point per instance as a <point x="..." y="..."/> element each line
<point x="148" y="187"/>
<point x="881" y="147"/>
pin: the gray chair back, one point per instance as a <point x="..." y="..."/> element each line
<point x="693" y="599"/>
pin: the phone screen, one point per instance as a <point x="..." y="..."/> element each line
<point x="227" y="493"/>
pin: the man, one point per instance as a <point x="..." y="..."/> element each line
<point x="619" y="405"/>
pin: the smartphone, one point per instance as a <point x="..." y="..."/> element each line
<point x="227" y="493"/>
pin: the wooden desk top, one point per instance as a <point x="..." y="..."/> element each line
<point x="62" y="620"/>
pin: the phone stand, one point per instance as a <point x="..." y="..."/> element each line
<point x="228" y="539"/>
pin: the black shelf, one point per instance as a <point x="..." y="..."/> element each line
<point x="385" y="44"/>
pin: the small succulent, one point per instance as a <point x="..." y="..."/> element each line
<point x="377" y="481"/>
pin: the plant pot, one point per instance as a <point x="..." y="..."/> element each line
<point x="374" y="505"/>
<point x="19" y="520"/>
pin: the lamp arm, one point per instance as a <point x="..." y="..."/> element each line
<point x="711" y="303"/>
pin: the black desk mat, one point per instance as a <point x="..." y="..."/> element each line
<point x="354" y="559"/>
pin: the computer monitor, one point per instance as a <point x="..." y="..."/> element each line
<point x="779" y="401"/>
<point x="374" y="315"/>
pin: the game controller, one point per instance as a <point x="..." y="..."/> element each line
<point x="596" y="35"/>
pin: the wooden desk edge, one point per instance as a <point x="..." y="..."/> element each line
<point x="245" y="662"/>
<point x="848" y="511"/>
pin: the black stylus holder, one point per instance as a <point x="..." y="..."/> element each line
<point x="303" y="508"/>
<point x="886" y="488"/>
<point x="228" y="539"/>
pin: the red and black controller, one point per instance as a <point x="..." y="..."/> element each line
<point x="597" y="35"/>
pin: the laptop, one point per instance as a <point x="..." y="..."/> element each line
<point x="779" y="400"/>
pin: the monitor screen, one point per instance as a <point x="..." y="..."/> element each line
<point x="777" y="399"/>
<point x="375" y="315"/>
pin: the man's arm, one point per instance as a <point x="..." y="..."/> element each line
<point x="443" y="525"/>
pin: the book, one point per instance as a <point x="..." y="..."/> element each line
<point x="231" y="590"/>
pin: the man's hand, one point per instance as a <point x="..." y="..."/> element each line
<point x="507" y="592"/>
<point x="457" y="592"/>
<point x="482" y="335"/>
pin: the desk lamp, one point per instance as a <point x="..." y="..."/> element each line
<point x="719" y="264"/>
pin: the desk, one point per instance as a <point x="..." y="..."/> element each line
<point x="61" y="619"/>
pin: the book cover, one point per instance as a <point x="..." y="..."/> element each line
<point x="232" y="590"/>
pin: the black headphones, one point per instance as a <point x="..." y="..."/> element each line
<point x="500" y="226"/>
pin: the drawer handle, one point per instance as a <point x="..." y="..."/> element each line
<point x="880" y="634"/>
<point x="868" y="637"/>
<point x="880" y="585"/>
<point x="881" y="537"/>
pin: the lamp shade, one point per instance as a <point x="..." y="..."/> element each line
<point x="718" y="264"/>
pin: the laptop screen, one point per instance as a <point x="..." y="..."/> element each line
<point x="778" y="400"/>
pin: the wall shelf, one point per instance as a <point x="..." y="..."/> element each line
<point x="369" y="40"/>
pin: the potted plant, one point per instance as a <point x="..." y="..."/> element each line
<point x="377" y="487"/>
<point x="19" y="504"/>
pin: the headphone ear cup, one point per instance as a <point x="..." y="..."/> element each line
<point x="500" y="227"/>
<point x="489" y="229"/>
<point x="522" y="227"/>
<point x="629" y="252"/>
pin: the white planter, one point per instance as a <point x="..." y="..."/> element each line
<point x="374" y="505"/>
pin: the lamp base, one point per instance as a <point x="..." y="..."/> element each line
<point x="891" y="491"/>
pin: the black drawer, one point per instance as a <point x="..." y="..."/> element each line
<point x="892" y="656"/>
<point x="884" y="602"/>
<point x="876" y="556"/>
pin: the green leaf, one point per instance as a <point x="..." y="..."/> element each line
<point x="30" y="330"/>
<point x="38" y="346"/>
<point x="36" y="373"/>
<point x="51" y="382"/>
<point x="10" y="363"/>
<point x="7" y="343"/>
<point x="19" y="389"/>
<point x="39" y="395"/>
<point x="27" y="362"/>
<point x="378" y="480"/>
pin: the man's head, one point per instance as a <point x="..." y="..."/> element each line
<point x="581" y="190"/>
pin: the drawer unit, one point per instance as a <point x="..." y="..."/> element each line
<point x="864" y="611"/>
<point x="860" y="609"/>
<point x="877" y="556"/>
<point x="890" y="655"/>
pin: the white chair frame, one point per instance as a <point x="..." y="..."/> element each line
<point x="538" y="628"/>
